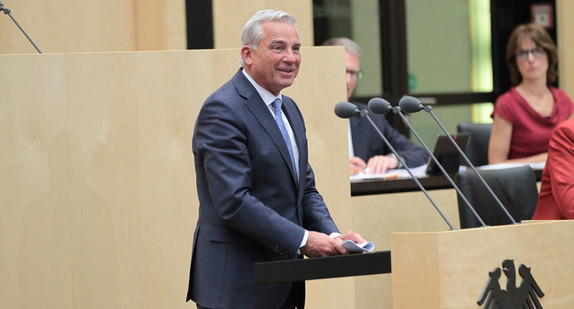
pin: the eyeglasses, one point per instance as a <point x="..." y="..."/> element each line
<point x="536" y="53"/>
<point x="355" y="75"/>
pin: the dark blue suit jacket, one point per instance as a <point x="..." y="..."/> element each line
<point x="252" y="207"/>
<point x="367" y="142"/>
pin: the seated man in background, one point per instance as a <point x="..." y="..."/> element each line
<point x="556" y="198"/>
<point x="367" y="151"/>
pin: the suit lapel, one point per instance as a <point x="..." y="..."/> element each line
<point x="261" y="112"/>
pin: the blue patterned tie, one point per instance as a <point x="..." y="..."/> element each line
<point x="279" y="118"/>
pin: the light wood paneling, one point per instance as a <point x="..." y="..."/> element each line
<point x="160" y="25"/>
<point x="35" y="262"/>
<point x="97" y="192"/>
<point x="229" y="17"/>
<point x="93" y="26"/>
<point x="450" y="270"/>
<point x="377" y="216"/>
<point x="565" y="40"/>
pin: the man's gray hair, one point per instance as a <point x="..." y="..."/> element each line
<point x="350" y="45"/>
<point x="253" y="31"/>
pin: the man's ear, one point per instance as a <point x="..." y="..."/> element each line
<point x="246" y="55"/>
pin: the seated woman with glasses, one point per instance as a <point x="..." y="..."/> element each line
<point x="525" y="116"/>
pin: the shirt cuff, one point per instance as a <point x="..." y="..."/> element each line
<point x="399" y="165"/>
<point x="306" y="237"/>
<point x="334" y="234"/>
<point x="304" y="241"/>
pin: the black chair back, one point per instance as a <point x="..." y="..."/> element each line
<point x="515" y="187"/>
<point x="477" y="148"/>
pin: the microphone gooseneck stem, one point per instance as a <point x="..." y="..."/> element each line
<point x="8" y="12"/>
<point x="471" y="166"/>
<point x="398" y="111"/>
<point x="408" y="169"/>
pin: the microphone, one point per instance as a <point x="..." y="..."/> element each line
<point x="348" y="110"/>
<point x="379" y="105"/>
<point x="413" y="105"/>
<point x="8" y="12"/>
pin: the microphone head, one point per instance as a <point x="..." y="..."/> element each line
<point x="346" y="109"/>
<point x="410" y="104"/>
<point x="379" y="106"/>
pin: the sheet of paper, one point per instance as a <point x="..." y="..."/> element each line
<point x="534" y="166"/>
<point x="354" y="247"/>
<point x="393" y="174"/>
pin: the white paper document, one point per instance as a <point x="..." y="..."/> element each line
<point x="400" y="173"/>
<point x="354" y="247"/>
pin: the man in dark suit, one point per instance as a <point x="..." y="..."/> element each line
<point x="367" y="151"/>
<point x="256" y="189"/>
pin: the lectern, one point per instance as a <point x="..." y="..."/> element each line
<point x="452" y="269"/>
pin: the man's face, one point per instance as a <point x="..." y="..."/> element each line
<point x="275" y="64"/>
<point x="352" y="63"/>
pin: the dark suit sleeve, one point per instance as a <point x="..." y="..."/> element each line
<point x="409" y="151"/>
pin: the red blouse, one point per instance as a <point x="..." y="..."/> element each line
<point x="530" y="131"/>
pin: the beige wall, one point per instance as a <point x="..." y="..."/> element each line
<point x="91" y="26"/>
<point x="565" y="45"/>
<point x="121" y="25"/>
<point x="97" y="184"/>
<point x="229" y="17"/>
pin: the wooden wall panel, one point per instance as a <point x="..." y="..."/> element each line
<point x="229" y="17"/>
<point x="98" y="196"/>
<point x="34" y="186"/>
<point x="565" y="39"/>
<point x="93" y="26"/>
<point x="160" y="25"/>
<point x="68" y="26"/>
<point x="378" y="216"/>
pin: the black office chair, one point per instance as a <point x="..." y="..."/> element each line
<point x="515" y="187"/>
<point x="477" y="149"/>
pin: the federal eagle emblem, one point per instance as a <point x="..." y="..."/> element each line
<point x="525" y="296"/>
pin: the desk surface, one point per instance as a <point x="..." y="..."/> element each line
<point x="382" y="186"/>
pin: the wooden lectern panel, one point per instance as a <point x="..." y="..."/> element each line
<point x="35" y="252"/>
<point x="451" y="269"/>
